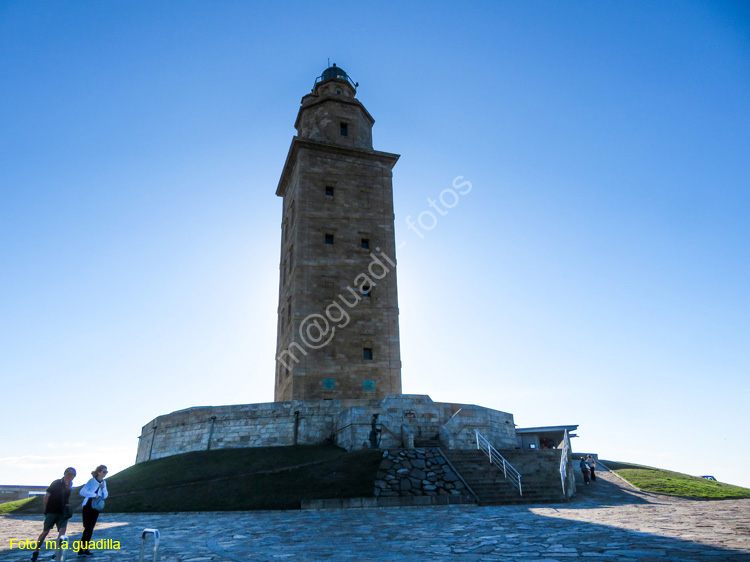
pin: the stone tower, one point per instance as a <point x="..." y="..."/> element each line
<point x="337" y="333"/>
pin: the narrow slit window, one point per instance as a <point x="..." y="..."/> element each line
<point x="367" y="353"/>
<point x="366" y="291"/>
<point x="365" y="243"/>
<point x="329" y="239"/>
<point x="344" y="129"/>
<point x="329" y="191"/>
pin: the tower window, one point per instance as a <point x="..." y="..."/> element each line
<point x="338" y="92"/>
<point x="329" y="191"/>
<point x="329" y="239"/>
<point x="368" y="386"/>
<point x="329" y="384"/>
<point x="367" y="354"/>
<point x="365" y="243"/>
<point x="344" y="129"/>
<point x="367" y="292"/>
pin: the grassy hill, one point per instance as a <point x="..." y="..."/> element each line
<point x="280" y="477"/>
<point x="661" y="481"/>
<point x="235" y="479"/>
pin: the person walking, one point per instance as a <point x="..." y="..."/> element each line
<point x="374" y="432"/>
<point x="57" y="510"/>
<point x="585" y="470"/>
<point x="93" y="490"/>
<point x="592" y="467"/>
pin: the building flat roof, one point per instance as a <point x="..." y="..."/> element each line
<point x="546" y="429"/>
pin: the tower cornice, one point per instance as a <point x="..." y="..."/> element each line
<point x="298" y="143"/>
<point x="334" y="99"/>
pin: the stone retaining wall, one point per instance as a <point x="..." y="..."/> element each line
<point x="402" y="419"/>
<point x="417" y="472"/>
<point x="391" y="501"/>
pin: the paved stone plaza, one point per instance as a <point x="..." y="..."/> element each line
<point x="606" y="521"/>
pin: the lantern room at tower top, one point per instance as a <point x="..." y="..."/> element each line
<point x="335" y="72"/>
<point x="330" y="104"/>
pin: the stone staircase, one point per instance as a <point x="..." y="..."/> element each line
<point x="427" y="443"/>
<point x="427" y="435"/>
<point x="540" y="475"/>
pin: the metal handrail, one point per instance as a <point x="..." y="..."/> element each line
<point x="382" y="426"/>
<point x="346" y="78"/>
<point x="510" y="473"/>
<point x="564" y="458"/>
<point x="457" y="473"/>
<point x="155" y="532"/>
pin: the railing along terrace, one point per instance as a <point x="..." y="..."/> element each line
<point x="510" y="473"/>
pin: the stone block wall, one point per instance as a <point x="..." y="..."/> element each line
<point x="403" y="418"/>
<point x="355" y="423"/>
<point x="417" y="472"/>
<point x="497" y="427"/>
<point x="247" y="425"/>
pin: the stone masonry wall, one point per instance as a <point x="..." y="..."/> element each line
<point x="497" y="427"/>
<point x="247" y="425"/>
<point x="417" y="472"/>
<point x="402" y="419"/>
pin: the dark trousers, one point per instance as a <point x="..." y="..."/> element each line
<point x="89" y="516"/>
<point x="585" y="475"/>
<point x="593" y="474"/>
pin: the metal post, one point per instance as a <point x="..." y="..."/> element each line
<point x="151" y="447"/>
<point x="155" y="532"/>
<point x="61" y="553"/>
<point x="210" y="433"/>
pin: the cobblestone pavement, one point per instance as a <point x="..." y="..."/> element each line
<point x="606" y="521"/>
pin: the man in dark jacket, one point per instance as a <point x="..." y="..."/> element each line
<point x="55" y="513"/>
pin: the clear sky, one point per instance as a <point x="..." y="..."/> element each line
<point x="596" y="274"/>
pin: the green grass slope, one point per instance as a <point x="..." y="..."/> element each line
<point x="661" y="481"/>
<point x="14" y="506"/>
<point x="236" y="479"/>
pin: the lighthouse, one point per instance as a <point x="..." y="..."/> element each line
<point x="337" y="330"/>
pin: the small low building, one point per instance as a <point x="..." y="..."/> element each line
<point x="548" y="437"/>
<point x="14" y="493"/>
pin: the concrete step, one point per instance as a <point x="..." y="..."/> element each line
<point x="426" y="443"/>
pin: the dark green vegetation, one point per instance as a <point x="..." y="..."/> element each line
<point x="237" y="479"/>
<point x="661" y="481"/>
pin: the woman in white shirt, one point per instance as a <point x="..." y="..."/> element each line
<point x="94" y="488"/>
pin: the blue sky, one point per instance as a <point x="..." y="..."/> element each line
<point x="596" y="274"/>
